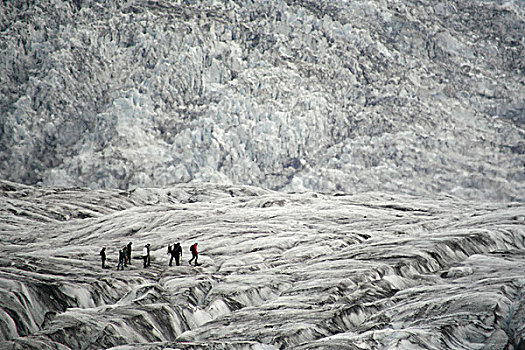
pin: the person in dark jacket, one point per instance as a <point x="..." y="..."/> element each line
<point x="121" y="258"/>
<point x="176" y="252"/>
<point x="170" y="249"/>
<point x="149" y="253"/>
<point x="125" y="253"/>
<point x="129" y="253"/>
<point x="194" y="253"/>
<point x="103" y="257"/>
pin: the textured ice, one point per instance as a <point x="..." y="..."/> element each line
<point x="279" y="271"/>
<point x="331" y="96"/>
<point x="393" y="129"/>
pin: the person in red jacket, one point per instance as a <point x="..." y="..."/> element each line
<point x="194" y="253"/>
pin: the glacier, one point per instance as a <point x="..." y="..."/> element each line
<point x="278" y="270"/>
<point x="416" y="97"/>
<point x="352" y="170"/>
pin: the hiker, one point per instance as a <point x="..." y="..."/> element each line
<point x="125" y="257"/>
<point x="129" y="252"/>
<point x="103" y="257"/>
<point x="194" y="254"/>
<point x="176" y="252"/>
<point x="145" y="255"/>
<point x="121" y="257"/>
<point x="170" y="249"/>
<point x="149" y="256"/>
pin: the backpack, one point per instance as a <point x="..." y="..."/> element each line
<point x="192" y="248"/>
<point x="169" y="248"/>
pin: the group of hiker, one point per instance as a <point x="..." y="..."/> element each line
<point x="175" y="252"/>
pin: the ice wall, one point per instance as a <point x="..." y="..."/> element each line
<point x="332" y="96"/>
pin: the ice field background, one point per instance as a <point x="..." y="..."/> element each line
<point x="352" y="170"/>
<point x="414" y="97"/>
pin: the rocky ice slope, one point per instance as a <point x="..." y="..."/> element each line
<point x="279" y="271"/>
<point x="414" y="97"/>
